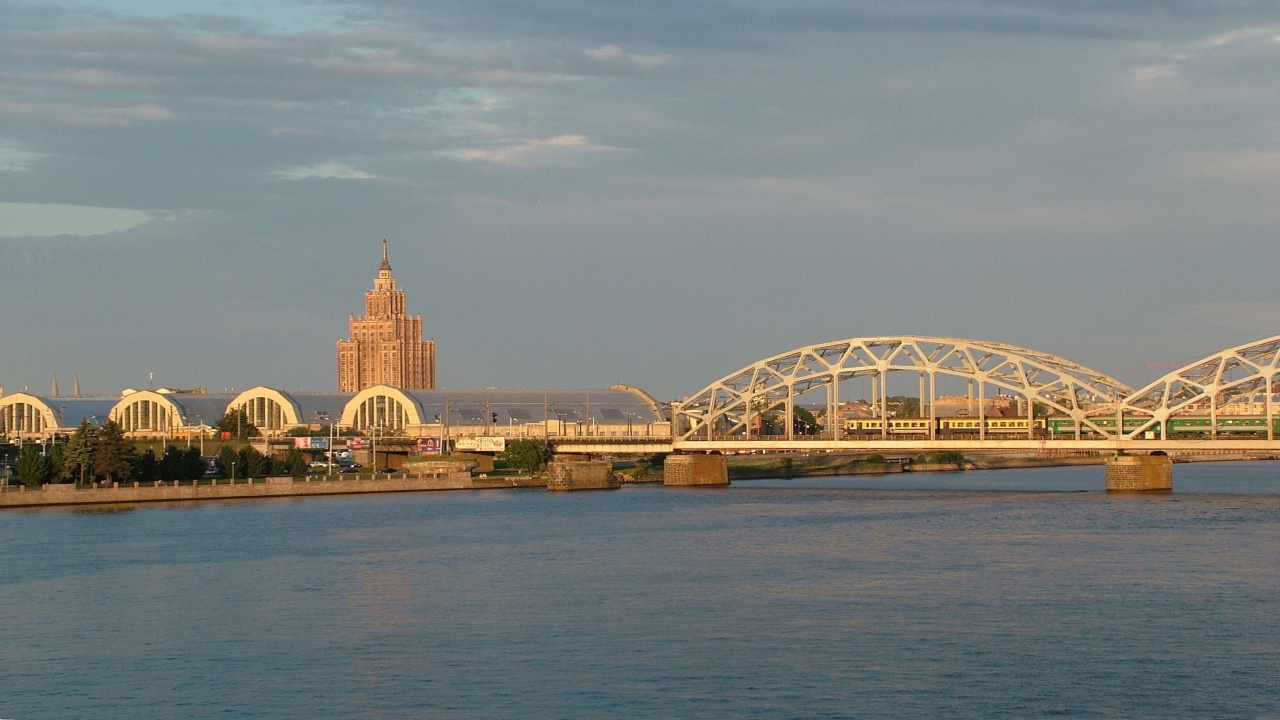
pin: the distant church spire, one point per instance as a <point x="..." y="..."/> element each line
<point x="75" y="385"/>
<point x="54" y="390"/>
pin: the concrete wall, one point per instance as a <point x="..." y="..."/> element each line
<point x="272" y="487"/>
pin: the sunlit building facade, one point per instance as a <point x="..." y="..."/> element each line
<point x="385" y="346"/>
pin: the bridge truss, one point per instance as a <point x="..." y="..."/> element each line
<point x="1203" y="387"/>
<point x="730" y="408"/>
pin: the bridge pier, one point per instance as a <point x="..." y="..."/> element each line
<point x="700" y="470"/>
<point x="1130" y="473"/>
<point x="581" y="473"/>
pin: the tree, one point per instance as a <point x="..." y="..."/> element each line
<point x="57" y="457"/>
<point x="295" y="463"/>
<point x="903" y="406"/>
<point x="192" y="464"/>
<point x="113" y="460"/>
<point x="77" y="465"/>
<point x="146" y="468"/>
<point x="525" y="454"/>
<point x="255" y="464"/>
<point x="228" y="460"/>
<point x="236" y="424"/>
<point x="32" y="467"/>
<point x="173" y="464"/>
<point x="803" y="421"/>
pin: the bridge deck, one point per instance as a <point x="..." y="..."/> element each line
<point x="624" y="445"/>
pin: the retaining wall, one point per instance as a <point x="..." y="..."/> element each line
<point x="270" y="487"/>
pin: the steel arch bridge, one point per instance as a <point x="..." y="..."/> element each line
<point x="1092" y="405"/>
<point x="1202" y="386"/>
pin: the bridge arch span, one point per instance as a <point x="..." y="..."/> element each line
<point x="729" y="408"/>
<point x="1203" y="388"/>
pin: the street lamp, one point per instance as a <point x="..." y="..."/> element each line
<point x="333" y="442"/>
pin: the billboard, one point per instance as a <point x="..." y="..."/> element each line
<point x="311" y="443"/>
<point x="482" y="444"/>
<point x="358" y="443"/>
<point x="429" y="446"/>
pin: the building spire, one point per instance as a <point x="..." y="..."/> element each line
<point x="386" y="265"/>
<point x="54" y="390"/>
<point x="75" y="387"/>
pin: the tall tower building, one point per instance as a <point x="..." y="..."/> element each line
<point x="386" y="345"/>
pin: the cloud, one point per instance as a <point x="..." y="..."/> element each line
<point x="16" y="159"/>
<point x="286" y="131"/>
<point x="68" y="114"/>
<point x="1247" y="318"/>
<point x="47" y="219"/>
<point x="1152" y="74"/>
<point x="532" y="151"/>
<point x="333" y="170"/>
<point x="1246" y="167"/>
<point x="84" y="78"/>
<point x="1267" y="34"/>
<point x="614" y="56"/>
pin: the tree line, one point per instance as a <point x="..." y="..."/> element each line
<point x="102" y="455"/>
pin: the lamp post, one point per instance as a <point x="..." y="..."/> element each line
<point x="333" y="441"/>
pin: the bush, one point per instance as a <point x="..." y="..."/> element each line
<point x="944" y="457"/>
<point x="525" y="454"/>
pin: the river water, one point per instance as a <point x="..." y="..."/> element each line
<point x="1012" y="593"/>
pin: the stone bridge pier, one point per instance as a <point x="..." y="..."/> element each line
<point x="1133" y="473"/>
<point x="695" y="470"/>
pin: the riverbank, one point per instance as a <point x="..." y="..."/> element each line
<point x="741" y="467"/>
<point x="747" y="467"/>
<point x="62" y="495"/>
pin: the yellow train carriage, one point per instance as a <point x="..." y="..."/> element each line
<point x="941" y="426"/>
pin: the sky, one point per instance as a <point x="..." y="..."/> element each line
<point x="578" y="194"/>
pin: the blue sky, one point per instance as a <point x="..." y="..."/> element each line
<point x="578" y="194"/>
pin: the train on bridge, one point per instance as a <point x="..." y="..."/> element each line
<point x="1061" y="426"/>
